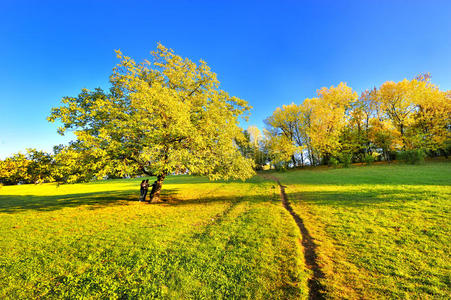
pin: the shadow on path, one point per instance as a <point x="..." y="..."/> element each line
<point x="316" y="289"/>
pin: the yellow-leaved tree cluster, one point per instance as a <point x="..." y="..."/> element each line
<point x="338" y="125"/>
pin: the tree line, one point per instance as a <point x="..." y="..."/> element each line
<point x="408" y="118"/>
<point x="168" y="115"/>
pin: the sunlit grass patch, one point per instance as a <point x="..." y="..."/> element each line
<point x="210" y="240"/>
<point x="382" y="231"/>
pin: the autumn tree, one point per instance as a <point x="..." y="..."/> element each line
<point x="328" y="118"/>
<point x="284" y="127"/>
<point x="14" y="169"/>
<point x="306" y="117"/>
<point x="280" y="149"/>
<point x="407" y="115"/>
<point x="35" y="166"/>
<point x="418" y="110"/>
<point x="163" y="116"/>
<point x="257" y="147"/>
<point x="355" y="136"/>
<point x="432" y="118"/>
<point x="397" y="101"/>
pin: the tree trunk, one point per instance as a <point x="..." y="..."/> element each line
<point x="156" y="188"/>
<point x="293" y="159"/>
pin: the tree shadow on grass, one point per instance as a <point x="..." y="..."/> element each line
<point x="20" y="203"/>
<point x="205" y="200"/>
<point x="170" y="197"/>
<point x="396" y="198"/>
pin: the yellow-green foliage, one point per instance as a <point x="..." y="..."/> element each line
<point x="163" y="116"/>
<point x="209" y="240"/>
<point x="382" y="231"/>
<point x="406" y="115"/>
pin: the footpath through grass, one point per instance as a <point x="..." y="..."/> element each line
<point x="382" y="231"/>
<point x="209" y="240"/>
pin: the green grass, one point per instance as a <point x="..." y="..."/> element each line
<point x="382" y="231"/>
<point x="209" y="240"/>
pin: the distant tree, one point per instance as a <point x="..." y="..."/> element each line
<point x="14" y="169"/>
<point x="432" y="117"/>
<point x="409" y="115"/>
<point x="328" y="118"/>
<point x="284" y="125"/>
<point x="280" y="149"/>
<point x="40" y="168"/>
<point x="33" y="167"/>
<point x="255" y="136"/>
<point x="396" y="101"/>
<point x="418" y="110"/>
<point x="259" y="151"/>
<point x="355" y="135"/>
<point x="160" y="117"/>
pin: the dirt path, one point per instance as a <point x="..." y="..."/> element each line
<point x="316" y="289"/>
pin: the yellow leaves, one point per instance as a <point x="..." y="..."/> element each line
<point x="255" y="136"/>
<point x="340" y="96"/>
<point x="165" y="115"/>
<point x="417" y="109"/>
<point x="327" y="116"/>
<point x="281" y="148"/>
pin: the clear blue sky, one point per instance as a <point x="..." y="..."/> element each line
<point x="269" y="53"/>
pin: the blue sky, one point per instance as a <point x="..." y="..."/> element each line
<point x="267" y="52"/>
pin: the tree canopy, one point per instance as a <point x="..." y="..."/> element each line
<point x="410" y="115"/>
<point x="163" y="116"/>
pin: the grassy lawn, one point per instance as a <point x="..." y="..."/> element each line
<point x="209" y="240"/>
<point x="382" y="231"/>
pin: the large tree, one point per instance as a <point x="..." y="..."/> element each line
<point x="163" y="116"/>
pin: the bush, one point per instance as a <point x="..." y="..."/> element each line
<point x="346" y="158"/>
<point x="411" y="156"/>
<point x="368" y="159"/>
<point x="401" y="156"/>
<point x="333" y="162"/>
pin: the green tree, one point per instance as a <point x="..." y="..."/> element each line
<point x="163" y="116"/>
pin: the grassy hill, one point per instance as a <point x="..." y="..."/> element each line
<point x="380" y="232"/>
<point x="210" y="240"/>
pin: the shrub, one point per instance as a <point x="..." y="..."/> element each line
<point x="346" y="158"/>
<point x="411" y="156"/>
<point x="333" y="162"/>
<point x="368" y="159"/>
<point x="401" y="156"/>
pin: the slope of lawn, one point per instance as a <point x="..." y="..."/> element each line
<point x="209" y="240"/>
<point x="382" y="231"/>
